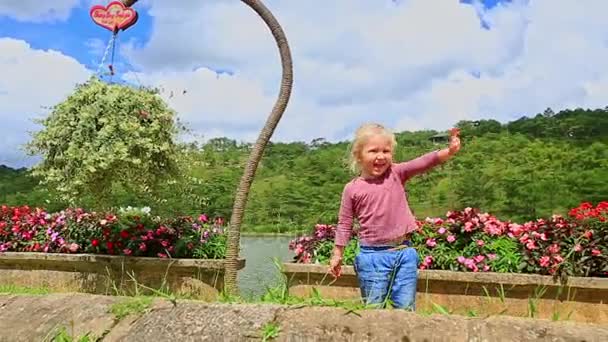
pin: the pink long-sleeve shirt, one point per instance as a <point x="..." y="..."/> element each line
<point x="380" y="204"/>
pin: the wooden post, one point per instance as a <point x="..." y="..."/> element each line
<point x="128" y="3"/>
<point x="242" y="191"/>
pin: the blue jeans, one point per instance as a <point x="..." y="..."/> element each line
<point x="387" y="275"/>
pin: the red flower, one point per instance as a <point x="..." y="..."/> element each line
<point x="110" y="245"/>
<point x="94" y="242"/>
<point x="124" y="234"/>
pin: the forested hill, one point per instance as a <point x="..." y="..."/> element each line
<point x="584" y="126"/>
<point x="531" y="167"/>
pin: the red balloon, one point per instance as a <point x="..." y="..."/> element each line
<point x="116" y="16"/>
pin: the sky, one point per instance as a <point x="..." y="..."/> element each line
<point x="409" y="64"/>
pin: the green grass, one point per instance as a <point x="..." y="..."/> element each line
<point x="270" y="331"/>
<point x="134" y="305"/>
<point x="22" y="290"/>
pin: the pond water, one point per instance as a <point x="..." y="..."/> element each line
<point x="260" y="269"/>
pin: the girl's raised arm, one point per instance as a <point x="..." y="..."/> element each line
<point x="409" y="169"/>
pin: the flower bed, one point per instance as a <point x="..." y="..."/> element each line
<point x="468" y="240"/>
<point x="111" y="253"/>
<point x="474" y="264"/>
<point x="130" y="232"/>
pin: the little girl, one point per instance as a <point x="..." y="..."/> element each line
<point x="385" y="267"/>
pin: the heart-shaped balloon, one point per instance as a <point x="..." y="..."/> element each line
<point x="116" y="16"/>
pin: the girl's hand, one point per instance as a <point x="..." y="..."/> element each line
<point x="335" y="265"/>
<point x="454" y="141"/>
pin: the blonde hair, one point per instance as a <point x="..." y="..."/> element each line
<point x="361" y="136"/>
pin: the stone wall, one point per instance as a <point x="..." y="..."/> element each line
<point x="40" y="318"/>
<point x="467" y="293"/>
<point x="106" y="274"/>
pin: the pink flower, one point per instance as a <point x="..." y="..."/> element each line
<point x="127" y="251"/>
<point x="468" y="227"/>
<point x="544" y="261"/>
<point x="493" y="227"/>
<point x="470" y="264"/>
<point x="479" y="258"/>
<point x="441" y="231"/>
<point x="531" y="245"/>
<point x="480" y="243"/>
<point x="486" y="268"/>
<point x="299" y="249"/>
<point x="491" y="256"/>
<point x="461" y="259"/>
<point x="558" y="258"/>
<point x="203" y="218"/>
<point x="431" y="243"/>
<point x="578" y="248"/>
<point x="438" y="221"/>
<point x="103" y="222"/>
<point x="596" y="252"/>
<point x="73" y="247"/>
<point x="554" y="248"/>
<point x="142" y="247"/>
<point x="451" y="238"/>
<point x="307" y="258"/>
<point x="428" y="261"/>
<point x="484" y="217"/>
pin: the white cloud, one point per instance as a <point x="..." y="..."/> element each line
<point x="36" y="10"/>
<point x="416" y="64"/>
<point x="31" y="80"/>
<point x="412" y="64"/>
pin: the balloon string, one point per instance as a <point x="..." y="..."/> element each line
<point x="105" y="55"/>
<point x="111" y="66"/>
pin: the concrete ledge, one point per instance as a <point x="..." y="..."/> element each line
<point x="107" y="274"/>
<point x="580" y="298"/>
<point x="38" y="318"/>
<point x="469" y="277"/>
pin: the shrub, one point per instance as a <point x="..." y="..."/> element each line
<point x="103" y="135"/>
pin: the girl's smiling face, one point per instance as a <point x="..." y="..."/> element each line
<point x="375" y="156"/>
